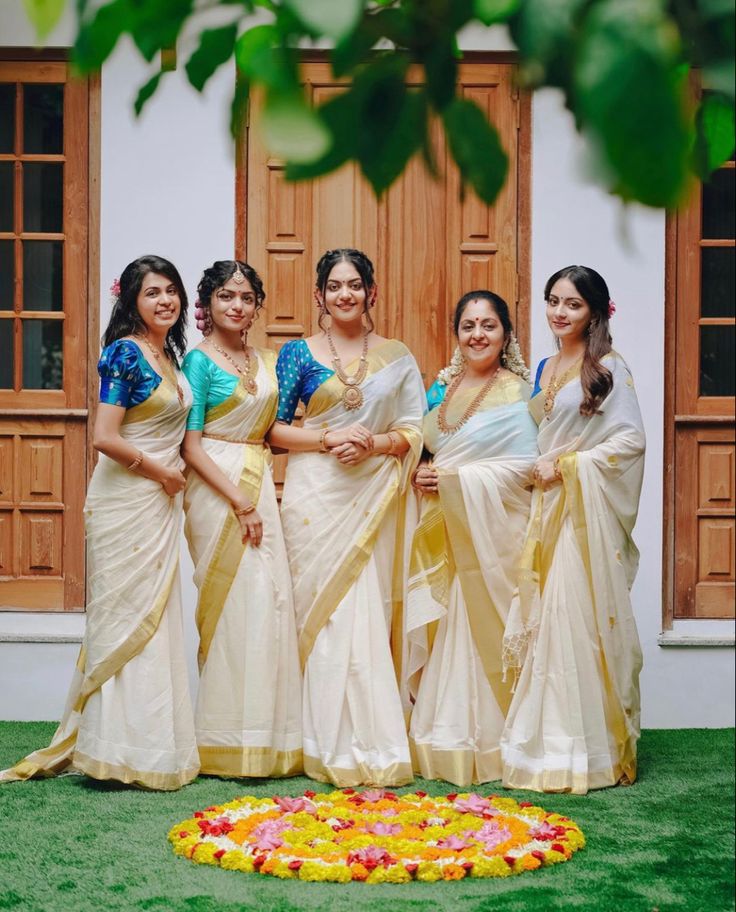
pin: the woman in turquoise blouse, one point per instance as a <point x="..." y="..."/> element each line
<point x="128" y="715"/>
<point x="248" y="715"/>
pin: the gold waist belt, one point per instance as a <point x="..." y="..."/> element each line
<point x="234" y="439"/>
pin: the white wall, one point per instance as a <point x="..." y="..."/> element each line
<point x="168" y="188"/>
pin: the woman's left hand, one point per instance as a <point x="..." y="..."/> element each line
<point x="350" y="453"/>
<point x="545" y="474"/>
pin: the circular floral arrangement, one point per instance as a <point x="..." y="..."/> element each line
<point x="377" y="836"/>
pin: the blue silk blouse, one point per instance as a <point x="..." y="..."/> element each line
<point x="435" y="394"/>
<point x="126" y="378"/>
<point x="540" y="368"/>
<point x="299" y="375"/>
<point x="210" y="385"/>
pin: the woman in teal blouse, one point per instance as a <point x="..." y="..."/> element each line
<point x="248" y="715"/>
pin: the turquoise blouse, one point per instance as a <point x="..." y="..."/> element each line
<point x="435" y="394"/>
<point x="299" y="375"/>
<point x="126" y="378"/>
<point x="210" y="385"/>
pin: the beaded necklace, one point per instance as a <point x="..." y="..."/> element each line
<point x="555" y="385"/>
<point x="165" y="367"/>
<point x="246" y="374"/>
<point x="352" y="395"/>
<point x="442" y="422"/>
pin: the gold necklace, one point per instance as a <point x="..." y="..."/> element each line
<point x="555" y="385"/>
<point x="442" y="422"/>
<point x="165" y="367"/>
<point x="247" y="377"/>
<point x="352" y="396"/>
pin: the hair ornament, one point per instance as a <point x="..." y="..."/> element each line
<point x="199" y="315"/>
<point x="238" y="277"/>
<point x="513" y="360"/>
<point x="115" y="290"/>
<point x="611" y="308"/>
<point x="455" y="367"/>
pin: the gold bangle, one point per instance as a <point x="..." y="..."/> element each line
<point x="136" y="462"/>
<point x="244" y="511"/>
<point x="323" y="440"/>
<point x="556" y="465"/>
<point x="393" y="443"/>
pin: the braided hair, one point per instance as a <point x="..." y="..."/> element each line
<point x="363" y="266"/>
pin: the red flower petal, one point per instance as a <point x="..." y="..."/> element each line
<point x="556" y="847"/>
<point x="538" y="855"/>
<point x="199" y="813"/>
<point x="421" y="794"/>
<point x="258" y="861"/>
<point x="525" y="804"/>
<point x="296" y="863"/>
<point x="411" y="868"/>
<point x="509" y="859"/>
<point x="348" y="791"/>
<point x="452" y="796"/>
<point x="309" y="794"/>
<point x="183" y="834"/>
<point x="218" y="854"/>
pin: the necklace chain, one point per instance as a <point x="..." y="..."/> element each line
<point x="352" y="396"/>
<point x="555" y="385"/>
<point x="165" y="366"/>
<point x="442" y="422"/>
<point x="245" y="373"/>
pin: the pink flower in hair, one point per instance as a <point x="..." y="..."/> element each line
<point x="115" y="288"/>
<point x="611" y="309"/>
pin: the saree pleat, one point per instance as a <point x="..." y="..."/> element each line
<point x="461" y="578"/>
<point x="248" y="713"/>
<point x="571" y="637"/>
<point x="128" y="713"/>
<point x="340" y="525"/>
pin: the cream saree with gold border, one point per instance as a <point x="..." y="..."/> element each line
<point x="128" y="714"/>
<point x="574" y="719"/>
<point x="248" y="715"/>
<point x="340" y="525"/>
<point x="461" y="579"/>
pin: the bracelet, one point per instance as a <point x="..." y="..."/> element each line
<point x="136" y="462"/>
<point x="244" y="511"/>
<point x="556" y="466"/>
<point x="323" y="440"/>
<point x="393" y="443"/>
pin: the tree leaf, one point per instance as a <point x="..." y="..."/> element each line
<point x="476" y="147"/>
<point x="326" y="17"/>
<point x="341" y="116"/>
<point x="146" y="91"/>
<point x="630" y="99"/>
<point x="215" y="47"/>
<point x="714" y="141"/>
<point x="491" y="11"/>
<point x="383" y="159"/>
<point x="440" y="65"/>
<point x="44" y="15"/>
<point x="157" y="25"/>
<point x="544" y="32"/>
<point x="239" y="106"/>
<point x="98" y="36"/>
<point x="292" y="130"/>
<point x="259" y="55"/>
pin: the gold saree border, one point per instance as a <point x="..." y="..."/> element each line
<point x="246" y="762"/>
<point x="399" y="773"/>
<point x="159" y="782"/>
<point x="240" y="394"/>
<point x="461" y="767"/>
<point x="568" y="781"/>
<point x="154" y="405"/>
<point x="339" y="584"/>
<point x="486" y="624"/>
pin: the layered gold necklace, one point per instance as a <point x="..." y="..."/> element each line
<point x="442" y="423"/>
<point x="555" y="385"/>
<point x="352" y="395"/>
<point x="246" y="373"/>
<point x="165" y="367"/>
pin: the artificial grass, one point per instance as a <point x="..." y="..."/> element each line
<point x="667" y="843"/>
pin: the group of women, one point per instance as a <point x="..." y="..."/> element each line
<point x="444" y="589"/>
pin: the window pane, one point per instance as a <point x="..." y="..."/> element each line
<point x="7" y="116"/>
<point x="718" y="205"/>
<point x="717" y="282"/>
<point x="42" y="197"/>
<point x="42" y="354"/>
<point x="717" y="349"/>
<point x="42" y="275"/>
<point x="6" y="196"/>
<point x="6" y="354"/>
<point x="7" y="274"/>
<point x="43" y="118"/>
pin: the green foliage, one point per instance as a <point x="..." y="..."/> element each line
<point x="619" y="63"/>
<point x="44" y="14"/>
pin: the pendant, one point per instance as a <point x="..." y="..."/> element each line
<point x="352" y="398"/>
<point x="180" y="394"/>
<point x="250" y="385"/>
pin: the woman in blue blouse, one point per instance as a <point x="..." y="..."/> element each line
<point x="248" y="716"/>
<point x="128" y="714"/>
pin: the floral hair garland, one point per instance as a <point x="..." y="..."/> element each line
<point x="511" y="359"/>
<point x="611" y="308"/>
<point x="115" y="290"/>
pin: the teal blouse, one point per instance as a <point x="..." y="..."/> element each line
<point x="210" y="385"/>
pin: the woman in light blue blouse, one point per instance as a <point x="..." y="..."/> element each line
<point x="248" y="715"/>
<point x="128" y="715"/>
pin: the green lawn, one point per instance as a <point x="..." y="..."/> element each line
<point x="667" y="843"/>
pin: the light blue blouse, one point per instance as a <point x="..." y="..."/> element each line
<point x="299" y="375"/>
<point x="210" y="385"/>
<point x="126" y="378"/>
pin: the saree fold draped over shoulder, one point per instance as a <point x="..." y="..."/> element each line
<point x="571" y="637"/>
<point x="248" y="715"/>
<point x="342" y="535"/>
<point x="461" y="578"/>
<point x="128" y="713"/>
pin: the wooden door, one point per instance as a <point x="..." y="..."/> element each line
<point x="43" y="334"/>
<point x="428" y="245"/>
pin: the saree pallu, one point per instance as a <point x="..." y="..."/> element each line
<point x="128" y="715"/>
<point x="342" y="536"/>
<point x="461" y="579"/>
<point x="575" y="717"/>
<point x="248" y="714"/>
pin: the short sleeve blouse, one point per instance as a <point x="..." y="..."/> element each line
<point x="299" y="375"/>
<point x="210" y="385"/>
<point x="435" y="394"/>
<point x="126" y="378"/>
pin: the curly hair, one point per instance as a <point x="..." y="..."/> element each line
<point x="596" y="380"/>
<point x="215" y="277"/>
<point x="125" y="319"/>
<point x="356" y="258"/>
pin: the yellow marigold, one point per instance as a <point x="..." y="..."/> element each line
<point x="551" y="857"/>
<point x="359" y="871"/>
<point x="184" y="846"/>
<point x="575" y="839"/>
<point x="313" y="871"/>
<point x="338" y="873"/>
<point x="429" y="872"/>
<point x="397" y="874"/>
<point x="282" y="870"/>
<point x="490" y="867"/>
<point x="204" y="853"/>
<point x="269" y="866"/>
<point x="527" y="863"/>
<point x="234" y="860"/>
<point x="378" y="875"/>
<point x="453" y="872"/>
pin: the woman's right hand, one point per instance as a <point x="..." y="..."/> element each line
<point x="173" y="481"/>
<point x="356" y="433"/>
<point x="251" y="528"/>
<point x="426" y="479"/>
